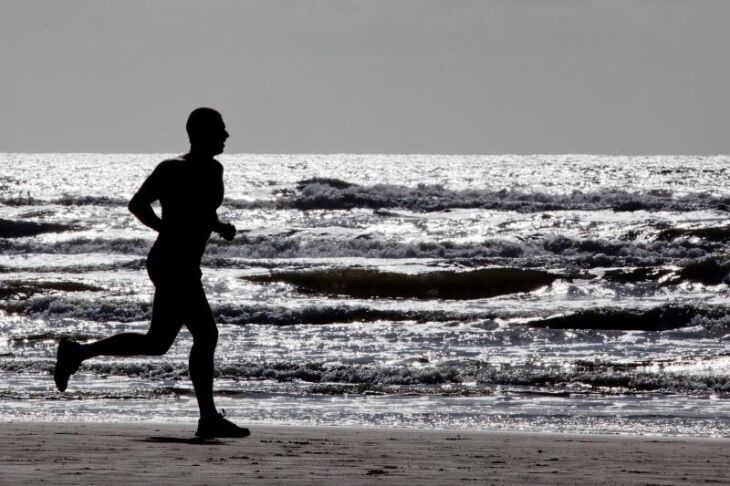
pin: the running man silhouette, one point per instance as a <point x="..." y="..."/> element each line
<point x="190" y="189"/>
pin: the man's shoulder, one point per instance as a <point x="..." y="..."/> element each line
<point x="170" y="163"/>
<point x="173" y="160"/>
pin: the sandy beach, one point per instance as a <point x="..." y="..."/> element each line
<point x="101" y="453"/>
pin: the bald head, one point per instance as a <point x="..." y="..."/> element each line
<point x="206" y="131"/>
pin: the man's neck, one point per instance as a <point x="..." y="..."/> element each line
<point x="199" y="154"/>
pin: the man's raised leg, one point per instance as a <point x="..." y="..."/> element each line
<point x="164" y="327"/>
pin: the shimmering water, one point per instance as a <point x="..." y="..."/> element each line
<point x="359" y="292"/>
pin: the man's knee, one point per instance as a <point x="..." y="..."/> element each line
<point x="156" y="346"/>
<point x="206" y="338"/>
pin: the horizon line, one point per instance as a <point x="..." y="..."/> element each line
<point x="394" y="154"/>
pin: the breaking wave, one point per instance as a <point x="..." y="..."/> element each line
<point x="471" y="377"/>
<point x="333" y="314"/>
<point x="134" y="311"/>
<point x="326" y="193"/>
<point x="85" y="309"/>
<point x="135" y="264"/>
<point x="366" y="283"/>
<point x="661" y="318"/>
<point x="547" y="250"/>
<point x="77" y="246"/>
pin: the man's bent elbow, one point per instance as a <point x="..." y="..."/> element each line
<point x="134" y="206"/>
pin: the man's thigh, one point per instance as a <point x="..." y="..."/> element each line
<point x="179" y="303"/>
<point x="198" y="315"/>
<point x="168" y="314"/>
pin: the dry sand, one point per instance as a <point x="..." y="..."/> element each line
<point x="85" y="453"/>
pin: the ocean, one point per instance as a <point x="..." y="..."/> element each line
<point x="561" y="293"/>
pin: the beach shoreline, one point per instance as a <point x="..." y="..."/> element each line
<point x="165" y="453"/>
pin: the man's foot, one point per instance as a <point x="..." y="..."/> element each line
<point x="217" y="426"/>
<point x="67" y="362"/>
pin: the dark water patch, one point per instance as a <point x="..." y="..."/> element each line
<point x="18" y="200"/>
<point x="325" y="181"/>
<point x="21" y="290"/>
<point x="19" y="229"/>
<point x="636" y="275"/>
<point x="367" y="283"/>
<point x="719" y="234"/>
<point x="17" y="292"/>
<point x="63" y="286"/>
<point x="708" y="271"/>
<point x="657" y="319"/>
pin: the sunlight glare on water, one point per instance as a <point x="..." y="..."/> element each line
<point x="629" y="334"/>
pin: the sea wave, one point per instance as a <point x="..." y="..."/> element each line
<point x="60" y="306"/>
<point x="77" y="246"/>
<point x="459" y="376"/>
<point x="22" y="290"/>
<point x="586" y="253"/>
<point x="134" y="264"/>
<point x="64" y="200"/>
<point x="326" y="193"/>
<point x="367" y="247"/>
<point x="661" y="318"/>
<point x="231" y="314"/>
<point x="19" y="229"/>
<point x="90" y="394"/>
<point x="331" y="193"/>
<point x="367" y="283"/>
<point x="118" y="310"/>
<point x="719" y="233"/>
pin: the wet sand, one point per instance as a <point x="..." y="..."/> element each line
<point x="109" y="454"/>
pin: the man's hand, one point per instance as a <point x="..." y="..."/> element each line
<point x="227" y="231"/>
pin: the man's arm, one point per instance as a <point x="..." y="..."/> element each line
<point x="226" y="230"/>
<point x="141" y="203"/>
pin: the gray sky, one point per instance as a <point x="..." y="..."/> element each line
<point x="390" y="76"/>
